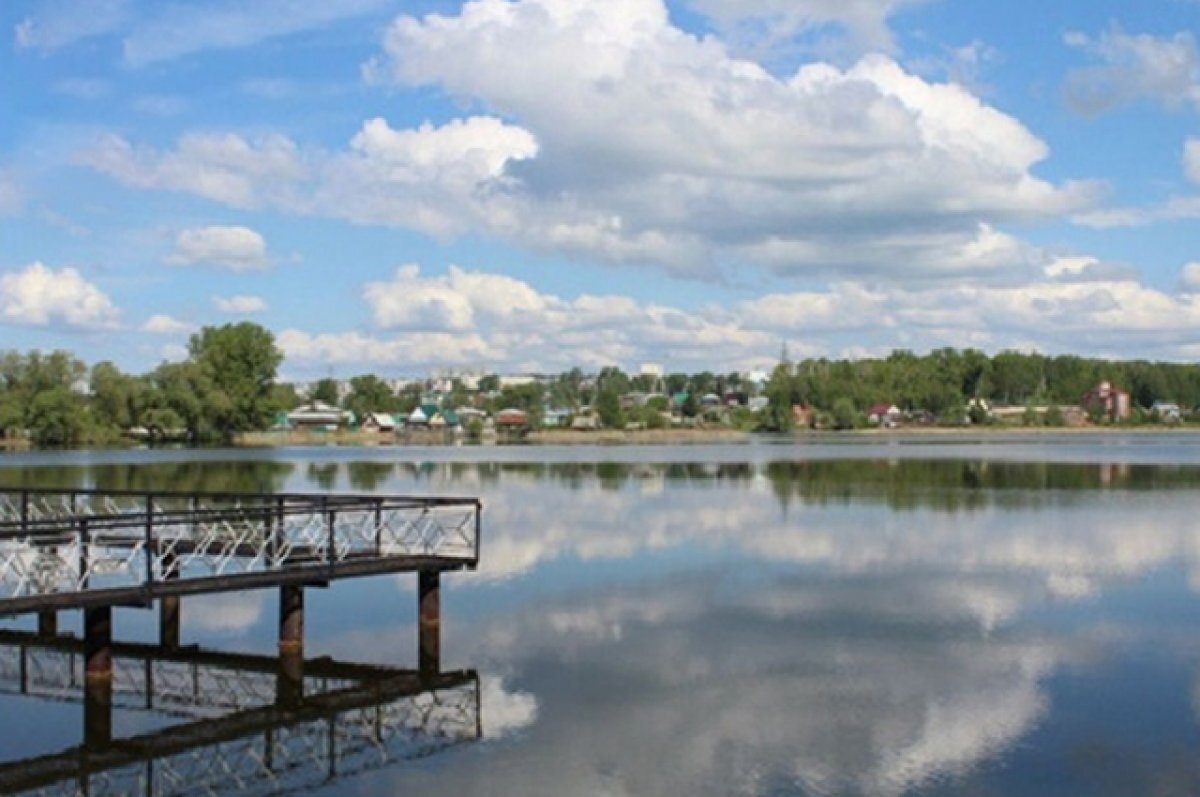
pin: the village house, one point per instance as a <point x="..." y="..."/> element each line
<point x="319" y="415"/>
<point x="512" y="418"/>
<point x="378" y="422"/>
<point x="884" y="414"/>
<point x="1106" y="401"/>
<point x="1167" y="411"/>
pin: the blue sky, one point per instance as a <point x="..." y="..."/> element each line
<point x="521" y="185"/>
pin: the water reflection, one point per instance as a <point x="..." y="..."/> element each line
<point x="235" y="723"/>
<point x="816" y="627"/>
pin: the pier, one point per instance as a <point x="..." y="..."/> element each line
<point x="93" y="550"/>
<point x="244" y="724"/>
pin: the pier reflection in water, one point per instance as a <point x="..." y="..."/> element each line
<point x="235" y="723"/>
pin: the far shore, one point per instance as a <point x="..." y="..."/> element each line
<point x="684" y="436"/>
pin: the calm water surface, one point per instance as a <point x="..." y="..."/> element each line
<point x="892" y="618"/>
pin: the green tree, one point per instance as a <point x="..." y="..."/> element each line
<point x="284" y="397"/>
<point x="325" y="391"/>
<point x="845" y="416"/>
<point x="608" y="407"/>
<point x="369" y="393"/>
<point x="241" y="361"/>
<point x="117" y="399"/>
<point x="187" y="391"/>
<point x="780" y="397"/>
<point x="57" y="417"/>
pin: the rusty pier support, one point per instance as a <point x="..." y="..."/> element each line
<point x="169" y="610"/>
<point x="97" y="703"/>
<point x="289" y="685"/>
<point x="429" y="621"/>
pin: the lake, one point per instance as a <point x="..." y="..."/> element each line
<point x="897" y="616"/>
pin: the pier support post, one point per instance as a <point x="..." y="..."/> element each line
<point x="97" y="643"/>
<point x="429" y="621"/>
<point x="97" y="713"/>
<point x="291" y="618"/>
<point x="289" y="685"/>
<point x="47" y="623"/>
<point x="97" y="690"/>
<point x="169" y="610"/>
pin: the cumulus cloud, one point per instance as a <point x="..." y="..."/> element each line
<point x="485" y="319"/>
<point x="166" y="325"/>
<point x="610" y="134"/>
<point x="1131" y="67"/>
<point x="240" y="305"/>
<point x="1175" y="208"/>
<point x="235" y="248"/>
<point x="435" y="348"/>
<point x="828" y="161"/>
<point x="41" y="296"/>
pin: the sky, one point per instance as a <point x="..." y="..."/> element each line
<point x="533" y="185"/>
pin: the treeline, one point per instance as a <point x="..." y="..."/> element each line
<point x="225" y="386"/>
<point x="945" y="381"/>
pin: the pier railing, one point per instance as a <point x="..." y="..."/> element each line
<point x="78" y="548"/>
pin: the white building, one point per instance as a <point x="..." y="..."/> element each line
<point x="654" y="370"/>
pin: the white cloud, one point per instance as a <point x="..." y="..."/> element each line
<point x="159" y="105"/>
<point x="769" y="23"/>
<point x="830" y="164"/>
<point x="428" y="348"/>
<point x="58" y="24"/>
<point x="223" y="167"/>
<point x="484" y="319"/>
<point x="40" y="296"/>
<point x="180" y="29"/>
<point x="83" y="88"/>
<point x="1191" y="159"/>
<point x="235" y="248"/>
<point x="240" y="305"/>
<point x="173" y="352"/>
<point x="1189" y="277"/>
<point x="669" y="150"/>
<point x="151" y="32"/>
<point x="166" y="325"/>
<point x="11" y="198"/>
<point x="1132" y="67"/>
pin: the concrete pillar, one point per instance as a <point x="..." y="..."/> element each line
<point x="429" y="621"/>
<point x="47" y="623"/>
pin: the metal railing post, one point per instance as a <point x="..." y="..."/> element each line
<point x="149" y="542"/>
<point x="478" y="533"/>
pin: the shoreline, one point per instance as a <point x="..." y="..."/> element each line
<point x="617" y="437"/>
